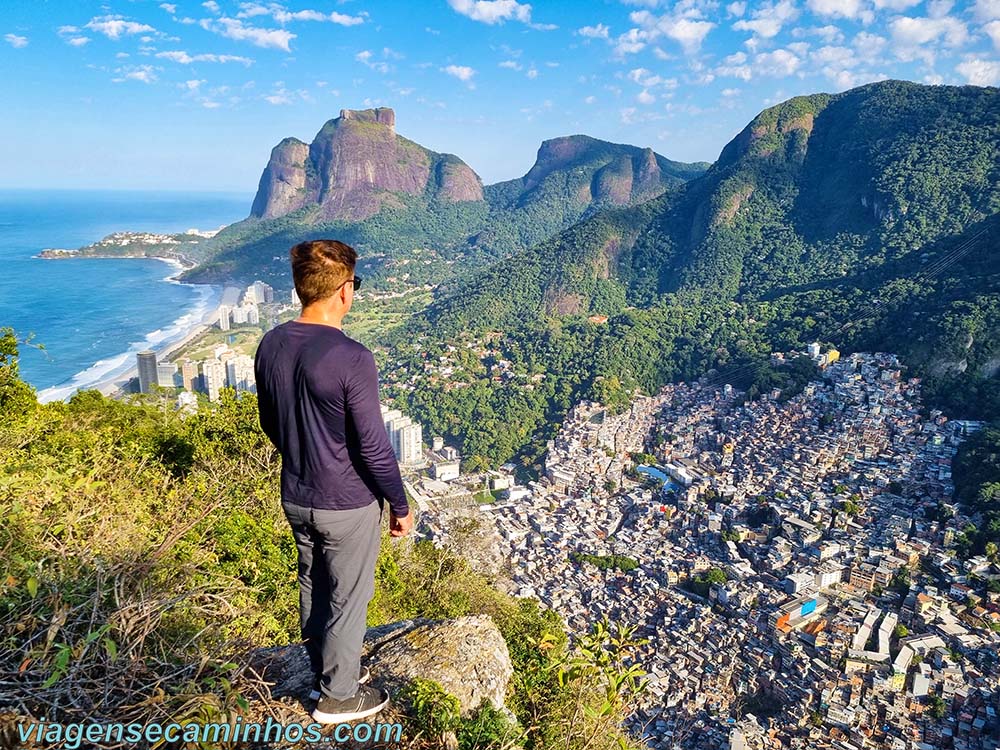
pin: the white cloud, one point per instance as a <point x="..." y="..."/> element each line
<point x="169" y="7"/>
<point x="987" y="10"/>
<point x="365" y="58"/>
<point x="913" y="37"/>
<point x="15" y="41"/>
<point x="532" y="73"/>
<point x="734" y="66"/>
<point x="689" y="33"/>
<point x="492" y="11"/>
<point x="182" y="57"/>
<point x="851" y="9"/>
<point x="590" y="100"/>
<point x="630" y="42"/>
<point x="282" y="15"/>
<point x="729" y="93"/>
<point x="736" y="9"/>
<point x="113" y="27"/>
<point x="461" y="72"/>
<point x="849" y="79"/>
<point x="993" y="31"/>
<point x="280" y="96"/>
<point x="896" y="5"/>
<point x="211" y="6"/>
<point x="980" y="72"/>
<point x="841" y="57"/>
<point x="828" y="34"/>
<point x="939" y="8"/>
<point x="781" y="62"/>
<point x="648" y="80"/>
<point x="78" y="41"/>
<point x="682" y="26"/>
<point x="600" y="31"/>
<point x="233" y="28"/>
<point x="511" y="64"/>
<point x="768" y="20"/>
<point x="869" y="47"/>
<point x="644" y="97"/>
<point x="141" y="73"/>
<point x="192" y="85"/>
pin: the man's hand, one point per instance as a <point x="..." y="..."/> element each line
<point x="400" y="526"/>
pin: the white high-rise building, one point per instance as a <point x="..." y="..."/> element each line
<point x="213" y="376"/>
<point x="388" y="415"/>
<point x="393" y="427"/>
<point x="814" y="349"/>
<point x="410" y="444"/>
<point x="166" y="375"/>
<point x="240" y="315"/>
<point x="259" y="293"/>
<point x="239" y="373"/>
<point x="253" y="315"/>
<point x="223" y="317"/>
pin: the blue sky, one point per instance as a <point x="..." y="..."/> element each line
<point x="193" y="95"/>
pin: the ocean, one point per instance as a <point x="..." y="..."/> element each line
<point x="92" y="314"/>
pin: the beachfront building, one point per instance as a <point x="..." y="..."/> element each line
<point x="146" y="364"/>
<point x="213" y="378"/>
<point x="223" y="317"/>
<point x="239" y="373"/>
<point x="259" y="293"/>
<point x="166" y="375"/>
<point x="189" y="375"/>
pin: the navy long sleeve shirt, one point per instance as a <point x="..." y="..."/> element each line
<point x="317" y="393"/>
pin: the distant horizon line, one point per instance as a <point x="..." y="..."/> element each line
<point x="209" y="191"/>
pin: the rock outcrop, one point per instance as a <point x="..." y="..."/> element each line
<point x="467" y="656"/>
<point x="607" y="173"/>
<point x="355" y="166"/>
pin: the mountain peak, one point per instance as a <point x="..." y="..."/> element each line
<point x="355" y="166"/>
<point x="380" y="115"/>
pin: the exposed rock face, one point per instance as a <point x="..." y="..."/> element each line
<point x="355" y="166"/>
<point x="283" y="185"/>
<point x="617" y="174"/>
<point x="467" y="656"/>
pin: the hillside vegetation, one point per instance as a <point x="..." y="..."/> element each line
<point x="869" y="220"/>
<point x="145" y="556"/>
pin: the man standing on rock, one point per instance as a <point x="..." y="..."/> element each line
<point x="317" y="393"/>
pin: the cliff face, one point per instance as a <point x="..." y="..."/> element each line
<point x="609" y="173"/>
<point x="355" y="166"/>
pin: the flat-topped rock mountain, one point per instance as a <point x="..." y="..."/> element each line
<point x="354" y="167"/>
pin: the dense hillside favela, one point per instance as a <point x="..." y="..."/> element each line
<point x="714" y="446"/>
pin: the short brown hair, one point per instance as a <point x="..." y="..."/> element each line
<point x="320" y="268"/>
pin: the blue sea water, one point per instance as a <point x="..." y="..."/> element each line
<point x="92" y="314"/>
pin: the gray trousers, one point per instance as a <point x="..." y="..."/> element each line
<point x="337" y="554"/>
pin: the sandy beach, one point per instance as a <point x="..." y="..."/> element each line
<point x="118" y="380"/>
<point x="120" y="383"/>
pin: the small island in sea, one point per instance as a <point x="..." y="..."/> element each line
<point x="177" y="247"/>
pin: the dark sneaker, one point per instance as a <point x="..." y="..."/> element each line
<point x="366" y="702"/>
<point x="315" y="693"/>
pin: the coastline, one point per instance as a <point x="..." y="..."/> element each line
<point x="112" y="375"/>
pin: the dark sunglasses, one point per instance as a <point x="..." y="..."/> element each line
<point x="357" y="282"/>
